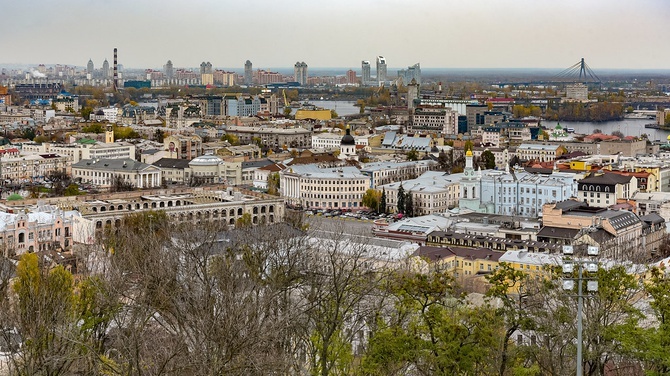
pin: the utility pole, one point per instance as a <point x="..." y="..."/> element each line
<point x="591" y="286"/>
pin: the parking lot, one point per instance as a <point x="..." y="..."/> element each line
<point x="363" y="215"/>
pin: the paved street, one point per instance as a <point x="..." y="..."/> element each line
<point x="338" y="224"/>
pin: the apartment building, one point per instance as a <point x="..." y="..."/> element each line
<point x="604" y="189"/>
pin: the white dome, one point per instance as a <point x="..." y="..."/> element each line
<point x="205" y="160"/>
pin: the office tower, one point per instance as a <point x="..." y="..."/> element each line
<point x="105" y="69"/>
<point x="248" y="73"/>
<point x="205" y="68"/>
<point x="168" y="69"/>
<point x="381" y="69"/>
<point x="365" y="72"/>
<point x="300" y="72"/>
<point x="412" y="72"/>
<point x="206" y="74"/>
<point x="89" y="67"/>
<point x="412" y="95"/>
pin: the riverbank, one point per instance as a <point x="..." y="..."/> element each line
<point x="629" y="127"/>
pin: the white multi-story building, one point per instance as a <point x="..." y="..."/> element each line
<point x="538" y="152"/>
<point x="329" y="141"/>
<point x="381" y="173"/>
<point x="312" y="186"/>
<point x="79" y="151"/>
<point x="432" y="192"/>
<point x="439" y="120"/>
<point x="603" y="190"/>
<point x="104" y="172"/>
<point x="26" y="168"/>
<point x="512" y="193"/>
<point x="577" y="91"/>
<point x="111" y="114"/>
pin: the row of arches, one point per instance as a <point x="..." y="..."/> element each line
<point x="230" y="217"/>
<point x="262" y="209"/>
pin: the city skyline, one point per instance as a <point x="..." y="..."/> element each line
<point x="483" y="34"/>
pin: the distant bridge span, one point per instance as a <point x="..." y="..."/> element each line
<point x="578" y="72"/>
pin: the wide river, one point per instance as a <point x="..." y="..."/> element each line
<point x="629" y="127"/>
<point x="341" y="107"/>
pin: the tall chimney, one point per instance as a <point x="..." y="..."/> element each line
<point x="116" y="72"/>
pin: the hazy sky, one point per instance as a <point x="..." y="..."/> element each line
<point x="627" y="34"/>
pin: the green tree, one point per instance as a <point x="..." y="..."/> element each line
<point x="445" y="160"/>
<point x="400" y="199"/>
<point x="273" y="184"/>
<point x="244" y="221"/>
<point x="231" y="138"/>
<point x="86" y="113"/>
<point x="159" y="135"/>
<point x="412" y="155"/>
<point x="72" y="190"/>
<point x="287" y="111"/>
<point x="94" y="128"/>
<point x="382" y="202"/>
<point x="371" y="198"/>
<point x="41" y="139"/>
<point x="409" y="204"/>
<point x="431" y="330"/>
<point x="511" y="288"/>
<point x="333" y="114"/>
<point x="46" y="318"/>
<point x="651" y="345"/>
<point x="28" y="133"/>
<point x="488" y="160"/>
<point x="468" y="146"/>
<point x="125" y="133"/>
<point x="611" y="315"/>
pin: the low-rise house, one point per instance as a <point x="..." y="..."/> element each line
<point x="172" y="169"/>
<point x="467" y="265"/>
<point x="262" y="174"/>
<point x="106" y="173"/>
<point x="604" y="189"/>
<point x="414" y="229"/>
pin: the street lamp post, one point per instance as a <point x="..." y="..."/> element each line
<point x="591" y="266"/>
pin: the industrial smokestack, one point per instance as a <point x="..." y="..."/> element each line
<point x="116" y="72"/>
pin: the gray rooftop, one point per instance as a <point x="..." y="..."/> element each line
<point x="124" y="164"/>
